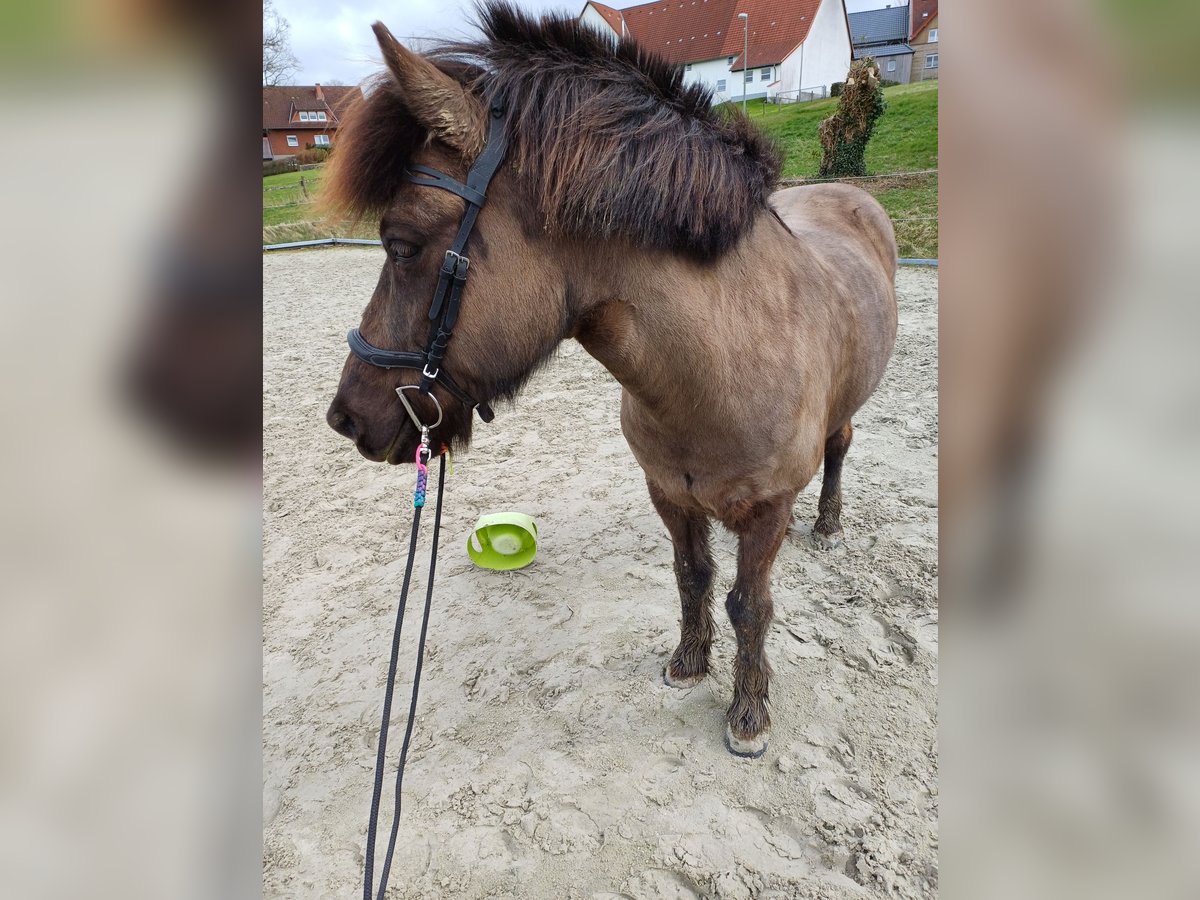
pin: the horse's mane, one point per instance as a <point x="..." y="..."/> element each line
<point x="604" y="135"/>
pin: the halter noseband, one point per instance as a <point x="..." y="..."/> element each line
<point x="447" y="296"/>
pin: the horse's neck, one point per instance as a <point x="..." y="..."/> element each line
<point x="675" y="332"/>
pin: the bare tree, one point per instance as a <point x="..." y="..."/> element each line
<point x="279" y="63"/>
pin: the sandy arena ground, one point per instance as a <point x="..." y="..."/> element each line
<point x="548" y="759"/>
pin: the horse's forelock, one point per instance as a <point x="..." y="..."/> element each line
<point x="376" y="139"/>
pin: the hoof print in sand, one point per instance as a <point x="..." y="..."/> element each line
<point x="827" y="541"/>
<point x="689" y="681"/>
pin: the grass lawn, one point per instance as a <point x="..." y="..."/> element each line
<point x="286" y="201"/>
<point x="290" y="211"/>
<point x="914" y="212"/>
<point x="905" y="140"/>
<point x="284" y="179"/>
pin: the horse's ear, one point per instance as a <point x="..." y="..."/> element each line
<point x="436" y="100"/>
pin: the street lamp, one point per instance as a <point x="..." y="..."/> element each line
<point x="745" y="17"/>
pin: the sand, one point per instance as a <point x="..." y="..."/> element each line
<point x="548" y="759"/>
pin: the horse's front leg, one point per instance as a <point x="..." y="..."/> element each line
<point x="760" y="532"/>
<point x="689" y="532"/>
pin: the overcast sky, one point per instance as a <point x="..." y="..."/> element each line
<point x="333" y="40"/>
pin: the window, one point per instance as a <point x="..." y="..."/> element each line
<point x="322" y="140"/>
<point x="749" y="76"/>
<point x="321" y="117"/>
<point x="303" y="116"/>
<point x="891" y="65"/>
<point x="720" y="84"/>
<point x="688" y="67"/>
<point x="765" y="74"/>
<point x="293" y="141"/>
<point x="933" y="35"/>
<point x="729" y="62"/>
<point x="931" y="61"/>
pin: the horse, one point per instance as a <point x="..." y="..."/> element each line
<point x="745" y="325"/>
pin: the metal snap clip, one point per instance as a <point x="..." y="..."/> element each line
<point x="412" y="413"/>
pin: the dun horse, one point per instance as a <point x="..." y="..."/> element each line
<point x="746" y="327"/>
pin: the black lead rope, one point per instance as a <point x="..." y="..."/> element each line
<point x="372" y="825"/>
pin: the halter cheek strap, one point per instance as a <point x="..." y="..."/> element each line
<point x="452" y="278"/>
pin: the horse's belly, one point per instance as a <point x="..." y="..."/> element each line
<point x="712" y="471"/>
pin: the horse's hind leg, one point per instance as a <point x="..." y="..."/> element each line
<point x="694" y="573"/>
<point x="760" y="533"/>
<point x="828" y="529"/>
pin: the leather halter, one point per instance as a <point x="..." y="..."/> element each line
<point x="447" y="296"/>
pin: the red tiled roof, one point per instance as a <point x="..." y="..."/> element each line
<point x="692" y="30"/>
<point x="923" y="12"/>
<point x="280" y="102"/>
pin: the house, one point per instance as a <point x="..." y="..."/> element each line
<point x="883" y="34"/>
<point x="924" y="39"/>
<point x="297" y="117"/>
<point x="798" y="48"/>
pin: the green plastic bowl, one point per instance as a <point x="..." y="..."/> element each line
<point x="503" y="541"/>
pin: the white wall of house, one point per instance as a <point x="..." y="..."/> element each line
<point x="763" y="82"/>
<point x="714" y="74"/>
<point x="824" y="57"/>
<point x="727" y="85"/>
<point x="589" y="16"/>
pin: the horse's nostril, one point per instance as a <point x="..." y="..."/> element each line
<point x="341" y="422"/>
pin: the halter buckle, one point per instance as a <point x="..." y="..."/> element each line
<point x="456" y="264"/>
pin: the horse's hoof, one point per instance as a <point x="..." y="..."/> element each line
<point x="827" y="541"/>
<point x="689" y="682"/>
<point x="752" y="749"/>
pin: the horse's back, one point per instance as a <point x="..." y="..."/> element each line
<point x="826" y="215"/>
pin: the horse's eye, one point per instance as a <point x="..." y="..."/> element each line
<point x="402" y="250"/>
